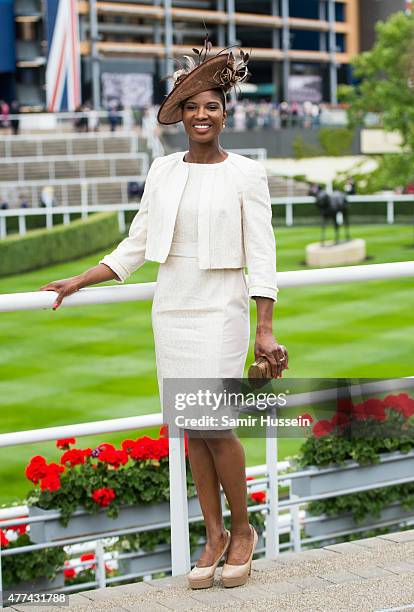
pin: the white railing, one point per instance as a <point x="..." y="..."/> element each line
<point x="38" y="300"/>
<point x="87" y="193"/>
<point x="86" y="206"/>
<point x="386" y="199"/>
<point x="84" y="209"/>
<point x="80" y="163"/>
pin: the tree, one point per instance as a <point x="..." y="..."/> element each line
<point x="386" y="87"/>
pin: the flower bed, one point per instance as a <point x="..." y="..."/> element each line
<point x="367" y="443"/>
<point x="31" y="571"/>
<point x="103" y="480"/>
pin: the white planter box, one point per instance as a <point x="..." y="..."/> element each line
<point x="333" y="524"/>
<point x="392" y="466"/>
<point x="95" y="524"/>
<point x="38" y="585"/>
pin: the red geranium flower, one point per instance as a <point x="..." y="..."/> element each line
<point x="51" y="482"/>
<point x="36" y="469"/>
<point x="345" y="405"/>
<point x="88" y="557"/>
<point x="73" y="457"/>
<point x="54" y="469"/>
<point x="160" y="449"/>
<point x="103" y="497"/>
<point x="374" y="408"/>
<point x="64" y="443"/>
<point x="322" y="428"/>
<point x="340" y="419"/>
<point x="402" y="403"/>
<point x="128" y="445"/>
<point x="259" y="497"/>
<point x="87" y="452"/>
<point x="69" y="572"/>
<point x="4" y="542"/>
<point x="113" y="457"/>
<point x="106" y="446"/>
<point x="143" y="449"/>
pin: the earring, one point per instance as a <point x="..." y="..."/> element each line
<point x="224" y="125"/>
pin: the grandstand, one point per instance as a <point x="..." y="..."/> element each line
<point x="83" y="169"/>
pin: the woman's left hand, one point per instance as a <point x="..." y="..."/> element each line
<point x="277" y="354"/>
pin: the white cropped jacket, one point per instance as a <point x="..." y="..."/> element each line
<point x="234" y="221"/>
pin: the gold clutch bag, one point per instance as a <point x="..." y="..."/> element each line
<point x="260" y="369"/>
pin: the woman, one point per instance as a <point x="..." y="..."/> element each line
<point x="204" y="215"/>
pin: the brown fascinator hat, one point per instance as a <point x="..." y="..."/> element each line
<point x="223" y="70"/>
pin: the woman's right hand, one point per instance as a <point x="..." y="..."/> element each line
<point x="63" y="288"/>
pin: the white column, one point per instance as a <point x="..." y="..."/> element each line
<point x="180" y="544"/>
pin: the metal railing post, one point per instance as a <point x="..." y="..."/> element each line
<point x="121" y="221"/>
<point x="49" y="217"/>
<point x="3" y="228"/>
<point x="390" y="211"/>
<point x="289" y="213"/>
<point x="272" y="517"/>
<point x="22" y="225"/>
<point x="295" y="525"/>
<point x="100" y="565"/>
<point x="84" y="200"/>
<point x="180" y="545"/>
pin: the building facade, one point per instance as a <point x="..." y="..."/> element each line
<point x="299" y="49"/>
<point x="373" y="11"/>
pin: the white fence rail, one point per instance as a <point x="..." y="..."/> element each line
<point x="66" y="211"/>
<point x="388" y="200"/>
<point x="87" y="197"/>
<point x="38" y="300"/>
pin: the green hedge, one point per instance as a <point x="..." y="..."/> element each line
<point x="43" y="247"/>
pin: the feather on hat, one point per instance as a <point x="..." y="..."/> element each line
<point x="223" y="70"/>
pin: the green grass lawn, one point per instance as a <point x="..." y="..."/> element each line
<point x="97" y="362"/>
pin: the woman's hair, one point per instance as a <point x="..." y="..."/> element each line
<point x="221" y="93"/>
<point x="222" y="96"/>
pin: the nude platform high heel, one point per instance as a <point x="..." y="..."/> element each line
<point x="236" y="575"/>
<point x="203" y="577"/>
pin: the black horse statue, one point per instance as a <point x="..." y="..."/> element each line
<point x="330" y="204"/>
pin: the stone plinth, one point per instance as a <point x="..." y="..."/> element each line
<point x="331" y="254"/>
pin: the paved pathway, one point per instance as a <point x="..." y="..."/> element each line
<point x="372" y="574"/>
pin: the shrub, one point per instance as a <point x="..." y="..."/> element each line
<point x="39" y="248"/>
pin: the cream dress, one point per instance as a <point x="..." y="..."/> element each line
<point x="200" y="318"/>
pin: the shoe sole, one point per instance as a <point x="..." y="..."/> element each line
<point x="205" y="583"/>
<point x="201" y="583"/>
<point x="233" y="582"/>
<point x="241" y="580"/>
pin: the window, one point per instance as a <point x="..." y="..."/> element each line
<point x="339" y="11"/>
<point x="307" y="10"/>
